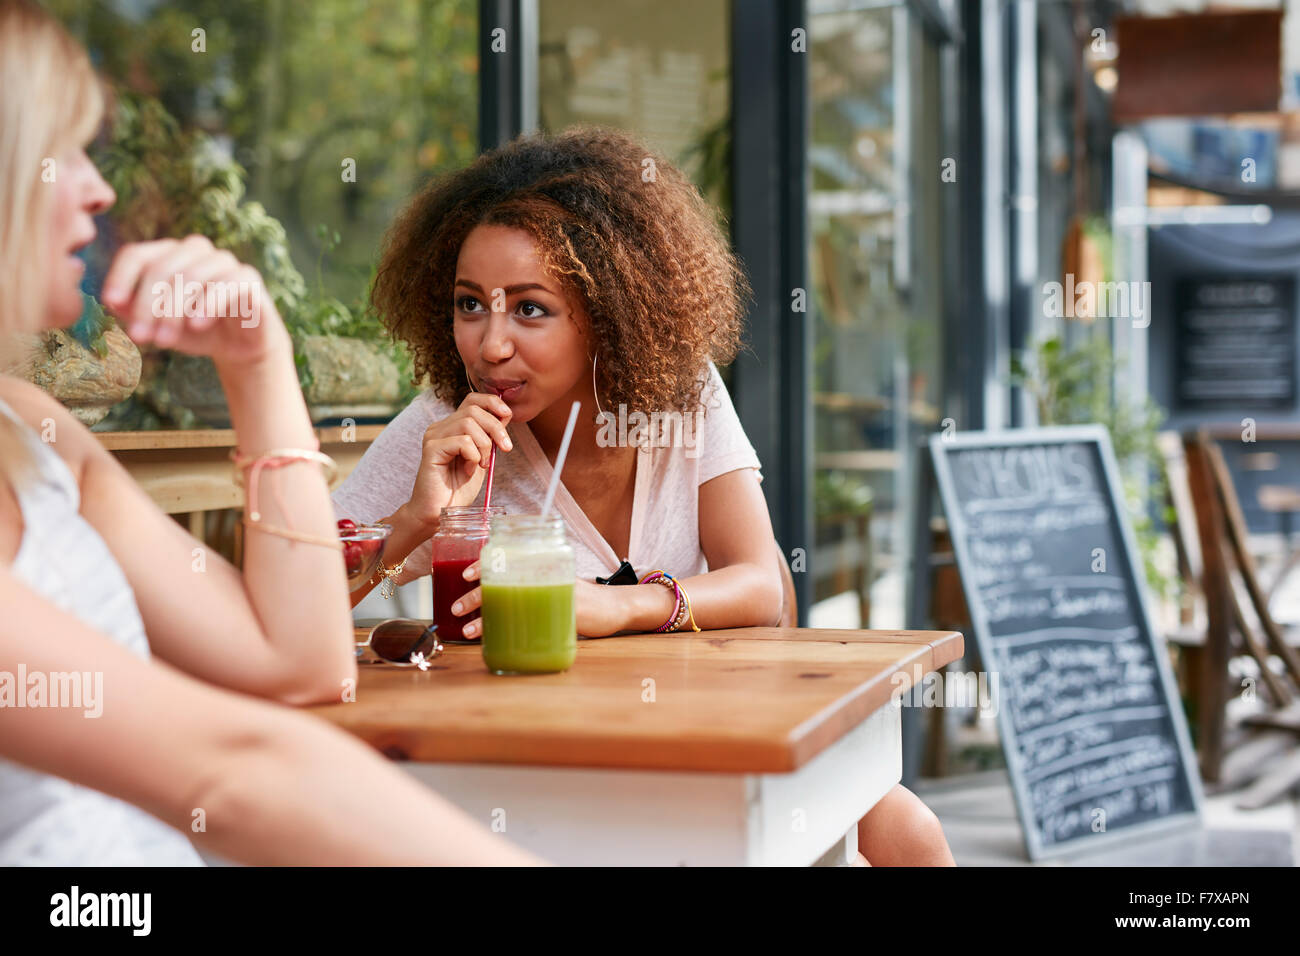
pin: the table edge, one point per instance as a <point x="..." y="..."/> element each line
<point x="803" y="744"/>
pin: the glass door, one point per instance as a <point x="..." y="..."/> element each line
<point x="875" y="173"/>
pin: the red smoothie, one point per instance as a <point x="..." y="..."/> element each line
<point x="448" y="587"/>
<point x="461" y="535"/>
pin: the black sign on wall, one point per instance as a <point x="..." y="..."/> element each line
<point x="1235" y="344"/>
<point x="1094" y="735"/>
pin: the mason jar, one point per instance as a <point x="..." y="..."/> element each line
<point x="461" y="534"/>
<point x="528" y="572"/>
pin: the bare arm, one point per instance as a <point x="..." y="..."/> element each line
<point x="200" y="612"/>
<point x="743" y="585"/>
<point x="408" y="534"/>
<point x="453" y="459"/>
<point x="275" y="786"/>
<point x="281" y="628"/>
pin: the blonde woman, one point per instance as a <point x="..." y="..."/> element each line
<point x="95" y="580"/>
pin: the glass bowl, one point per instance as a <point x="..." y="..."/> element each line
<point x="363" y="551"/>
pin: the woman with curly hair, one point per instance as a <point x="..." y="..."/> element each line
<point x="555" y="270"/>
<point x="582" y="267"/>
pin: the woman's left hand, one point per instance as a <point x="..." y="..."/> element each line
<point x="599" y="612"/>
<point x="467" y="604"/>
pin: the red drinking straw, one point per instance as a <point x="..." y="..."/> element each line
<point x="492" y="464"/>
<point x="492" y="459"/>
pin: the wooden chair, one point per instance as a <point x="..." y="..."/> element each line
<point x="1188" y="636"/>
<point x="1187" y="545"/>
<point x="1283" y="501"/>
<point x="1281" y="643"/>
<point x="1221" y="532"/>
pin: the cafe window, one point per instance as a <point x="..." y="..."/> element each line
<point x="291" y="132"/>
<point x="877" y="273"/>
<point x="658" y="69"/>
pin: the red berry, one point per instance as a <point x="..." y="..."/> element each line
<point x="352" y="557"/>
<point x="347" y="524"/>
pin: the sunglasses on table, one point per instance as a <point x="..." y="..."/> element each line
<point x="399" y="641"/>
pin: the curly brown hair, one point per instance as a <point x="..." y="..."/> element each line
<point x="615" y="224"/>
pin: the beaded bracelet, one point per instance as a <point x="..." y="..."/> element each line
<point x="681" y="608"/>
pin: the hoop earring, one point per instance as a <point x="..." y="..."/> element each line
<point x="600" y="412"/>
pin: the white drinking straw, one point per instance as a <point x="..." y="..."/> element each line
<point x="559" y="460"/>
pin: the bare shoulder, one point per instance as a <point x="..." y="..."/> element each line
<point x="28" y="400"/>
<point x="46" y="416"/>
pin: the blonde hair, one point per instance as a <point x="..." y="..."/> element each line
<point x="50" y="101"/>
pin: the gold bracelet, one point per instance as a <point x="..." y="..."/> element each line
<point x="387" y="584"/>
<point x="332" y="543"/>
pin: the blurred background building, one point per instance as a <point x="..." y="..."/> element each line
<point x="903" y="178"/>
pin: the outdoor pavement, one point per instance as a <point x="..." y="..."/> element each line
<point x="979" y="819"/>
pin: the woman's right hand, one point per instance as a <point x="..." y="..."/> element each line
<point x="189" y="295"/>
<point x="455" y="456"/>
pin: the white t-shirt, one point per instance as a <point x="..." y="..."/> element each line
<point x="665" y="529"/>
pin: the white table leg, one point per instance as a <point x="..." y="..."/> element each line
<point x="651" y="818"/>
<point x="843" y="852"/>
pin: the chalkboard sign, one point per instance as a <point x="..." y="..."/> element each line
<point x="1095" y="739"/>
<point x="1236" y="345"/>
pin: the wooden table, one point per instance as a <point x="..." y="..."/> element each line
<point x="753" y="746"/>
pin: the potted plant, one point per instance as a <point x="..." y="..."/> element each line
<point x="174" y="183"/>
<point x="1074" y="386"/>
<point x="89" y="367"/>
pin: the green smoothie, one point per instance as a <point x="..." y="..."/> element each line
<point x="529" y="628"/>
